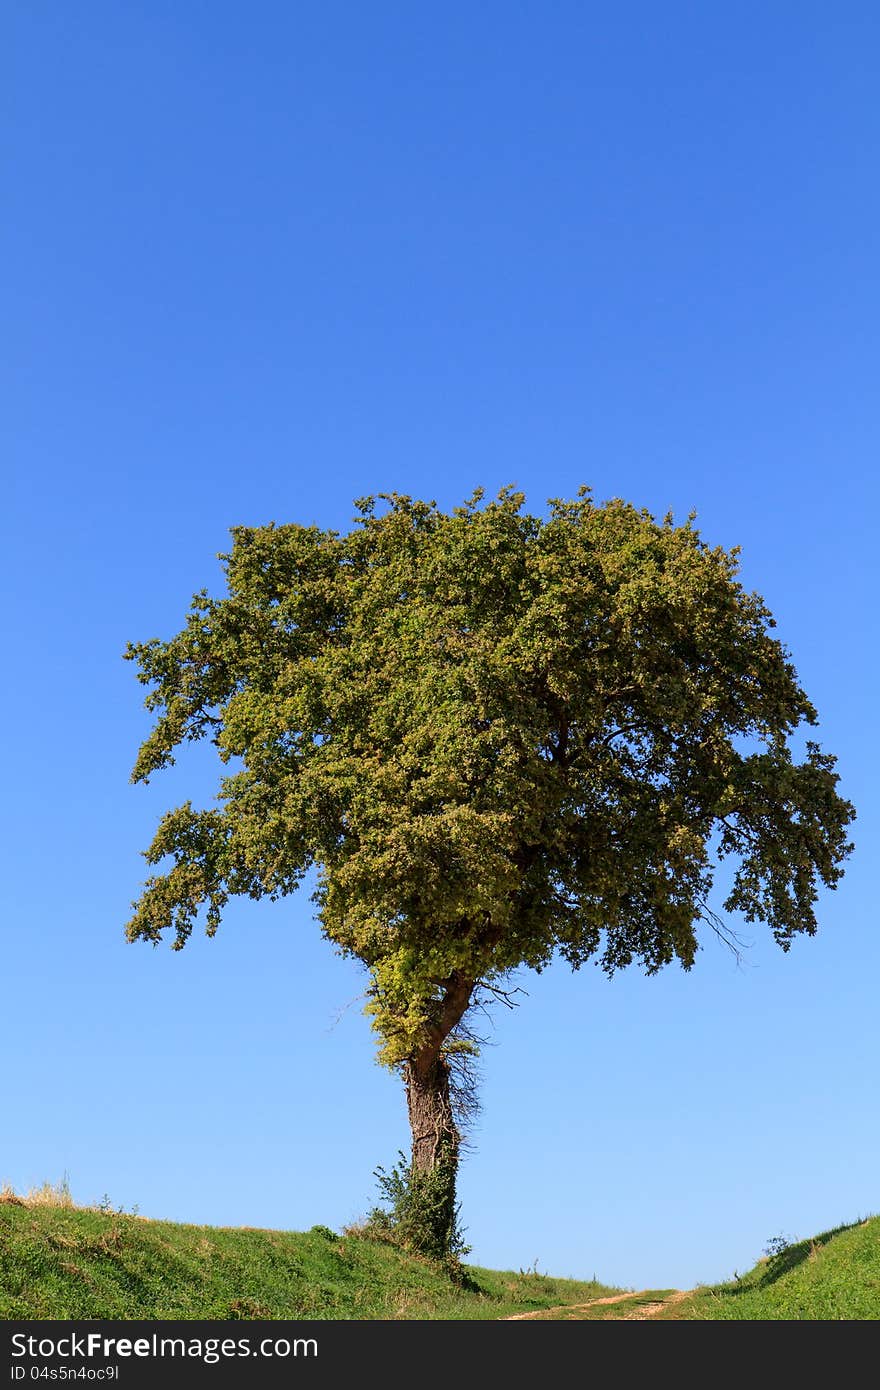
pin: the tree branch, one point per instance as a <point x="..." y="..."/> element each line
<point x="504" y="996"/>
<point x="726" y="935"/>
<point x="453" y="1007"/>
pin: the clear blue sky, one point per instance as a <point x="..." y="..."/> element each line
<point x="263" y="259"/>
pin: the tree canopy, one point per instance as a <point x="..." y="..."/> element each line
<point x="498" y="738"/>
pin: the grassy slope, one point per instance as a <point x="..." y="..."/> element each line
<point x="61" y="1262"/>
<point x="58" y="1262"/>
<point x="834" y="1276"/>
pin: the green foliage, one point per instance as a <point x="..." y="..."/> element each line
<point x="497" y="737"/>
<point x="63" y="1263"/>
<point x="420" y="1212"/>
<point x="323" y="1231"/>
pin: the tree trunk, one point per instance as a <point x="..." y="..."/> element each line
<point x="435" y="1137"/>
<point x="431" y="1205"/>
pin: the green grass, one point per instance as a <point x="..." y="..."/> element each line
<point x="61" y="1261"/>
<point x="834" y="1276"/>
<point x="67" y="1262"/>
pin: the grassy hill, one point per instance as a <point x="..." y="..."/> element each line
<point x="67" y="1262"/>
<point x="833" y="1276"/>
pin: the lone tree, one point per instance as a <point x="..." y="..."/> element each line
<point x="497" y="737"/>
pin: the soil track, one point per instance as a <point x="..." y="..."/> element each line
<point x="641" y="1312"/>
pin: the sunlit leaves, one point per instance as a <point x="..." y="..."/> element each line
<point x="498" y="737"/>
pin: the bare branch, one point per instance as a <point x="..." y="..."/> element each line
<point x="736" y="944"/>
<point x="341" y="1012"/>
<point x="504" y="996"/>
<point x="619" y="733"/>
<point x="464" y="1080"/>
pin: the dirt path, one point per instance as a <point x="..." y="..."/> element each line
<point x="648" y="1309"/>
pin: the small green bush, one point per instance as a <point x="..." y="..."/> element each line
<point x="420" y="1213"/>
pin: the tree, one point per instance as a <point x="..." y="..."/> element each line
<point x="498" y="738"/>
